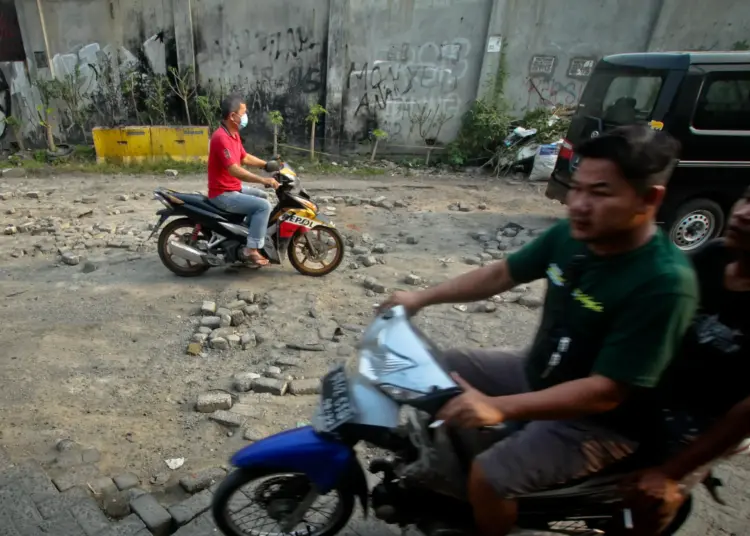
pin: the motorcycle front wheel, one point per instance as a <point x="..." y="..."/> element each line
<point x="317" y="252"/>
<point x="255" y="502"/>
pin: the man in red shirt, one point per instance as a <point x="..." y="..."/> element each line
<point x="226" y="156"/>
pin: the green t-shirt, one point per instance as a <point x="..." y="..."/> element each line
<point x="623" y="317"/>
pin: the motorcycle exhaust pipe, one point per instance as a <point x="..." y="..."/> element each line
<point x="183" y="251"/>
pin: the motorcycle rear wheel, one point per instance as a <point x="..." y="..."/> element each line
<point x="299" y="245"/>
<point x="191" y="270"/>
<point x="230" y="503"/>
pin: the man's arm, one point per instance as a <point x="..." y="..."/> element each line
<point x="253" y="161"/>
<point x="235" y="170"/>
<point x="569" y="400"/>
<point x="717" y="441"/>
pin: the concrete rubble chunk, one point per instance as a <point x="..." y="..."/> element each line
<point x="304" y="387"/>
<point x="211" y="321"/>
<point x="116" y="505"/>
<point x="215" y="400"/>
<point x="202" y="480"/>
<point x="154" y="516"/>
<point x="228" y="418"/>
<point x="208" y="308"/>
<point x="270" y="385"/>
<point x="220" y="343"/>
<point x="243" y="381"/>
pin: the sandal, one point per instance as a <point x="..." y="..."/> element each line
<point x="256" y="258"/>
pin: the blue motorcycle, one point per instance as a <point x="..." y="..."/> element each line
<point x="306" y="481"/>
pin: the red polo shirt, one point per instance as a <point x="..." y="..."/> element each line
<point x="224" y="150"/>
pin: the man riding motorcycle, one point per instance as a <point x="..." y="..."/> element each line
<point x="705" y="388"/>
<point x="226" y="157"/>
<point x="619" y="299"/>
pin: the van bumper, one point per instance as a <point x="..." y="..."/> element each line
<point x="557" y="189"/>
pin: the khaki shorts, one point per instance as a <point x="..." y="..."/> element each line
<point x="543" y="454"/>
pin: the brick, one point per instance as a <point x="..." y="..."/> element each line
<point x="130" y="526"/>
<point x="90" y="517"/>
<point x="187" y="510"/>
<point x="228" y="418"/>
<point x="201" y="480"/>
<point x="76" y="476"/>
<point x="126" y="481"/>
<point x="304" y="387"/>
<point x="209" y="402"/>
<point x="155" y="517"/>
<point x="16" y="500"/>
<point x="200" y="526"/>
<point x="270" y="385"/>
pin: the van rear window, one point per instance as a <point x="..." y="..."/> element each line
<point x="622" y="97"/>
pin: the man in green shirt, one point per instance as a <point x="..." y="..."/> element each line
<point x="619" y="298"/>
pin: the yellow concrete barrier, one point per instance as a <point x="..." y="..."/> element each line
<point x="135" y="144"/>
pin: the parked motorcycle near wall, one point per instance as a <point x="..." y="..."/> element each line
<point x="424" y="477"/>
<point x="207" y="236"/>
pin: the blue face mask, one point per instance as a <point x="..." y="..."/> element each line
<point x="243" y="121"/>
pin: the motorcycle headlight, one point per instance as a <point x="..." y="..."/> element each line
<point x="399" y="394"/>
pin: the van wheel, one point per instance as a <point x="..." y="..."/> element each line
<point x="696" y="223"/>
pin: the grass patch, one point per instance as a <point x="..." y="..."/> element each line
<point x="83" y="160"/>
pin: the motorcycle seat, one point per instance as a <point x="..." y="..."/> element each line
<point x="201" y="201"/>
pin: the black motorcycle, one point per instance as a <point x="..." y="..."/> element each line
<point x="207" y="236"/>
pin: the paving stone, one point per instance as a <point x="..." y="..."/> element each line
<point x="201" y="526"/>
<point x="70" y="458"/>
<point x="155" y="517"/>
<point x="126" y="481"/>
<point x="270" y="385"/>
<point x="29" y="475"/>
<point x="50" y="505"/>
<point x="210" y="402"/>
<point x="63" y="524"/>
<point x="201" y="480"/>
<point x="130" y="526"/>
<point x="187" y="510"/>
<point x="103" y="486"/>
<point x="304" y="387"/>
<point x="228" y="418"/>
<point x="5" y="460"/>
<point x="76" y="476"/>
<point x="91" y="456"/>
<point x="90" y="517"/>
<point x="16" y="500"/>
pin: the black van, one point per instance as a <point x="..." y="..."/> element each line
<point x="701" y="98"/>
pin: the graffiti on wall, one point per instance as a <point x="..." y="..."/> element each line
<point x="546" y="88"/>
<point x="410" y="82"/>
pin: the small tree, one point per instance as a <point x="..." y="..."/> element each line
<point x="378" y="135"/>
<point x="130" y="85"/>
<point x="313" y="117"/>
<point x="156" y="99"/>
<point x="73" y="91"/>
<point x="183" y="86"/>
<point x="15" y="125"/>
<point x="276" y="120"/>
<point x="49" y="90"/>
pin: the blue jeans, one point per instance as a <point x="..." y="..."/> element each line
<point x="250" y="201"/>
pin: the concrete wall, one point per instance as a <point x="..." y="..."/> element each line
<point x="413" y="67"/>
<point x="388" y="64"/>
<point x="273" y="52"/>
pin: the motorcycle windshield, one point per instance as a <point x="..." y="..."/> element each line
<point x="394" y="352"/>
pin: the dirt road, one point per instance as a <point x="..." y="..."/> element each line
<point x="94" y="344"/>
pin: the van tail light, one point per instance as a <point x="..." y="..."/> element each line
<point x="566" y="150"/>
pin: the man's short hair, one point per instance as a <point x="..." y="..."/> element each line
<point x="230" y="104"/>
<point x="646" y="157"/>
